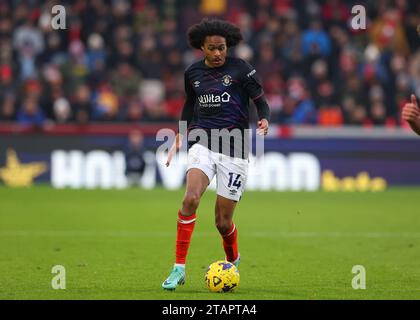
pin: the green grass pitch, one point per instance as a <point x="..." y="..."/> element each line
<point x="119" y="244"/>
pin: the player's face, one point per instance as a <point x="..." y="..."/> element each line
<point x="215" y="50"/>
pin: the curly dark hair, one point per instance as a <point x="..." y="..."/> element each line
<point x="215" y="27"/>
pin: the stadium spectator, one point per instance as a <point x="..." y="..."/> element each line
<point x="127" y="44"/>
<point x="30" y="113"/>
<point x="214" y="8"/>
<point x="323" y="89"/>
<point x="75" y="69"/>
<point x="315" y="41"/>
<point x="125" y="81"/>
<point x="28" y="41"/>
<point x="330" y="115"/>
<point x="62" y="110"/>
<point x="387" y="32"/>
<point x="96" y="55"/>
<point x="106" y="104"/>
<point x="82" y="105"/>
<point x="298" y="106"/>
<point x="335" y="12"/>
<point x="7" y="94"/>
<point x="133" y="111"/>
<point x="7" y="106"/>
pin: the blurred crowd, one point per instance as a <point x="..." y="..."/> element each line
<point x="124" y="61"/>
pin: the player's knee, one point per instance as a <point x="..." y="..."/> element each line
<point x="223" y="225"/>
<point x="191" y="200"/>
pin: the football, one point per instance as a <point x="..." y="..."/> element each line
<point x="222" y="276"/>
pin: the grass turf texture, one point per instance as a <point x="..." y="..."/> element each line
<point x="120" y="244"/>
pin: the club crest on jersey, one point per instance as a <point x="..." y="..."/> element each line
<point x="227" y="80"/>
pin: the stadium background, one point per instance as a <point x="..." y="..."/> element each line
<point x="118" y="66"/>
<point x="69" y="100"/>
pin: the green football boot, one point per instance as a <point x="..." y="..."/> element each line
<point x="176" y="277"/>
<point x="236" y="262"/>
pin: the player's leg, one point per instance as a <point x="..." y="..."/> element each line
<point x="231" y="178"/>
<point x="200" y="172"/>
<point x="197" y="182"/>
<point x="224" y="222"/>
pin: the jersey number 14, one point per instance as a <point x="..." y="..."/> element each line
<point x="235" y="182"/>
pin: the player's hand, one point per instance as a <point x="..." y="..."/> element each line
<point x="174" y="149"/>
<point x="411" y="111"/>
<point x="262" y="127"/>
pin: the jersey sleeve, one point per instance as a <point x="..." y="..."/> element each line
<point x="188" y="110"/>
<point x="252" y="85"/>
<point x="250" y="81"/>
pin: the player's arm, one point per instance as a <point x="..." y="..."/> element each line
<point x="411" y="114"/>
<point x="254" y="88"/>
<point x="263" y="112"/>
<point x="186" y="115"/>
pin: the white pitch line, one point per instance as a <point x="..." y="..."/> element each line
<point x="256" y="234"/>
<point x="336" y="234"/>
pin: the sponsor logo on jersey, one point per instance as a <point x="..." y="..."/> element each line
<point x="212" y="98"/>
<point x="196" y="84"/>
<point x="251" y="73"/>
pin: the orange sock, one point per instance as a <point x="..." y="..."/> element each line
<point x="185" y="228"/>
<point x="230" y="243"/>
